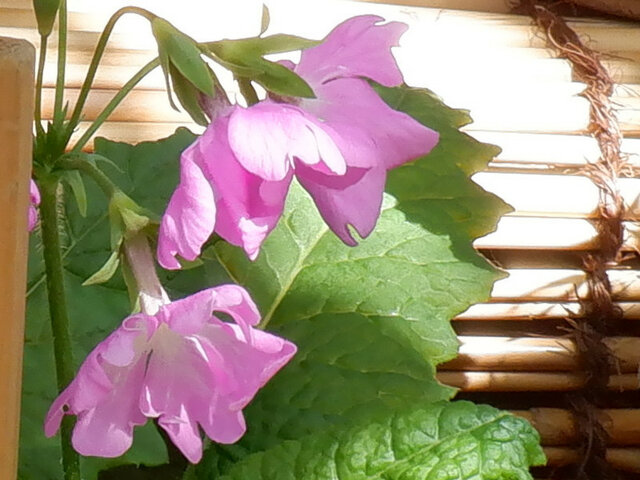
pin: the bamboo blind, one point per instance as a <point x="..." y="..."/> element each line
<point x="514" y="352"/>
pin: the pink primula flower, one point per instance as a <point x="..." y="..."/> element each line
<point x="235" y="177"/>
<point x="182" y="365"/>
<point x="34" y="201"/>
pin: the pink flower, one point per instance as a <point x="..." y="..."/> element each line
<point x="235" y="177"/>
<point x="182" y="365"/>
<point x="34" y="201"/>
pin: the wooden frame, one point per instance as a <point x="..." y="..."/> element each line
<point x="17" y="58"/>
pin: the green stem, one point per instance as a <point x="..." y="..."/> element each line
<point x="58" y="312"/>
<point x="190" y="472"/>
<point x="73" y="161"/>
<point x="247" y="90"/>
<point x="97" y="56"/>
<point x="62" y="61"/>
<point x="115" y="101"/>
<point x="42" y="55"/>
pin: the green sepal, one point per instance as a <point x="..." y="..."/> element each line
<point x="259" y="46"/>
<point x="116" y="231"/>
<point x="127" y="218"/>
<point x="280" y="80"/>
<point x="74" y="180"/>
<point x="46" y="12"/>
<point x="182" y="52"/>
<point x="187" y="96"/>
<point x="248" y="53"/>
<point x="133" y="221"/>
<point x="106" y="271"/>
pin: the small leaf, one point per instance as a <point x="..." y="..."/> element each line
<point x="106" y="271"/>
<point x="182" y="52"/>
<point x="74" y="179"/>
<point x="456" y="440"/>
<point x="264" y="22"/>
<point x="46" y="11"/>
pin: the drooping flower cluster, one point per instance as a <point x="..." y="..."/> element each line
<point x="235" y="177"/>
<point x="176" y="361"/>
<point x="183" y="366"/>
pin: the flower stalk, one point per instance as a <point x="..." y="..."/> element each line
<point x="62" y="347"/>
<point x="62" y="62"/>
<point x="115" y="101"/>
<point x="42" y="55"/>
<point x="151" y="294"/>
<point x="97" y="56"/>
<point x="73" y="161"/>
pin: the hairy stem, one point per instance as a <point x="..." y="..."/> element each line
<point x="58" y="312"/>
<point x="73" y="161"/>
<point x="115" y="101"/>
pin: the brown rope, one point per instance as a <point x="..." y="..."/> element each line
<point x="599" y="316"/>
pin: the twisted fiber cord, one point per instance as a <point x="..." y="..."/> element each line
<point x="600" y="316"/>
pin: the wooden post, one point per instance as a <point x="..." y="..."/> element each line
<point x="17" y="59"/>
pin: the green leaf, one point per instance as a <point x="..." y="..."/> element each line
<point x="372" y="322"/>
<point x="46" y="12"/>
<point x="147" y="173"/>
<point x="442" y="441"/>
<point x="74" y="179"/>
<point x="469" y="155"/>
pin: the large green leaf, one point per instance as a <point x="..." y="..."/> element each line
<point x="372" y="322"/>
<point x="443" y="441"/>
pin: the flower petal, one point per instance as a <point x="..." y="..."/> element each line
<point x="104" y="395"/>
<point x="190" y="216"/>
<point x="174" y="389"/>
<point x="189" y="315"/>
<point x="354" y="199"/>
<point x="369" y="132"/>
<point x="248" y="207"/>
<point x="249" y="366"/>
<point x="34" y="201"/>
<point x="267" y="136"/>
<point x="355" y="48"/>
